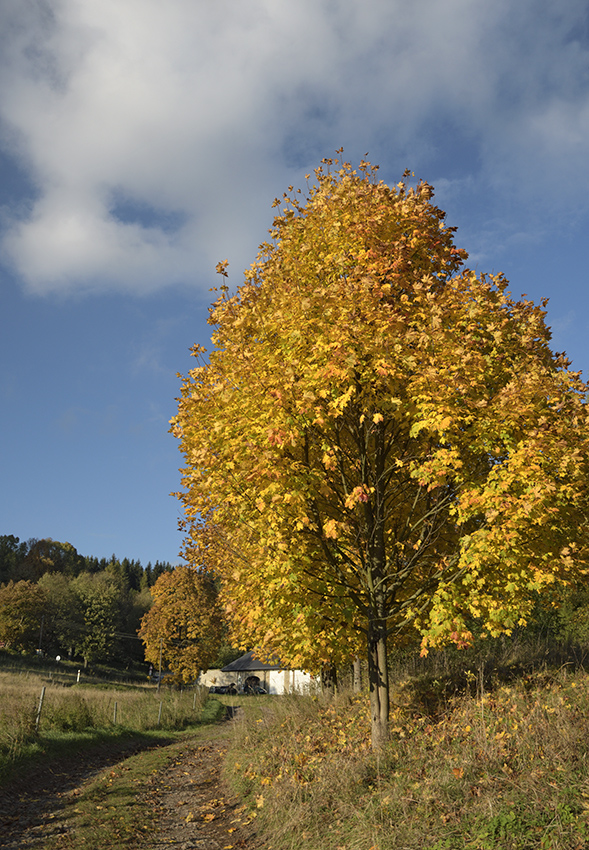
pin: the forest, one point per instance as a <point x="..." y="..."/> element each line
<point x="55" y="601"/>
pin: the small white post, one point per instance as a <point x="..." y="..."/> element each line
<point x="78" y="679"/>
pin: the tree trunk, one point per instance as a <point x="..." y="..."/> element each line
<point x="378" y="671"/>
<point x="357" y="675"/>
<point x="328" y="678"/>
<point x="378" y="676"/>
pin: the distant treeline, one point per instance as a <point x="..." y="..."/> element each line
<point x="54" y="600"/>
<point x="31" y="559"/>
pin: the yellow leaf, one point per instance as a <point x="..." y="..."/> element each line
<point x="330" y="529"/>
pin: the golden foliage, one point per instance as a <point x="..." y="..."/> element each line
<point x="380" y="439"/>
<point x="185" y="620"/>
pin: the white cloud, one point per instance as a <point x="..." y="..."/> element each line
<point x="193" y="114"/>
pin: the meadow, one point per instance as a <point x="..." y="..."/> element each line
<point x="487" y="752"/>
<point x="480" y="764"/>
<point x="75" y="715"/>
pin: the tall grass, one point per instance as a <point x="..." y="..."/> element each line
<point x="85" y="710"/>
<point x="499" y="769"/>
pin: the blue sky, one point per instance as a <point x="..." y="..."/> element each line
<point x="141" y="142"/>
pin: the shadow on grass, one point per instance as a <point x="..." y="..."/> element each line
<point x="52" y="752"/>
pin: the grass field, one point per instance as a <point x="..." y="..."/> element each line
<point x="505" y="768"/>
<point x="488" y="760"/>
<point x="76" y="715"/>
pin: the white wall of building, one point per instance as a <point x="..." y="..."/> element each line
<point x="216" y="677"/>
<point x="274" y="681"/>
<point x="289" y="682"/>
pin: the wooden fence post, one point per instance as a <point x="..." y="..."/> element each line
<point x="38" y="720"/>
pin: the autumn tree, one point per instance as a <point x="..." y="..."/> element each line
<point x="185" y="622"/>
<point x="381" y="440"/>
<point x="22" y="605"/>
<point x="47" y="555"/>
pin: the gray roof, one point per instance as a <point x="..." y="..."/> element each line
<point x="248" y="663"/>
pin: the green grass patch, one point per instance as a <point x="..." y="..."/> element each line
<point x="61" y="745"/>
<point x="66" y="671"/>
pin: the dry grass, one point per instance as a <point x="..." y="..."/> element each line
<point x="505" y="769"/>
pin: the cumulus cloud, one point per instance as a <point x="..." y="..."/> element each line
<point x="155" y="135"/>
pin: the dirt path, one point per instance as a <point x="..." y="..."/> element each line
<point x="189" y="807"/>
<point x="193" y="809"/>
